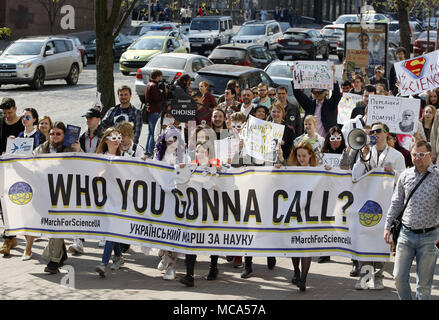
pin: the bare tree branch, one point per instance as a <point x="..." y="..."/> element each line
<point x="124" y="18"/>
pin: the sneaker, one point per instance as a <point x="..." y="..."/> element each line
<point x="213" y="274"/>
<point x="163" y="264"/>
<point x="101" y="243"/>
<point x="117" y="263"/>
<point x="52" y="267"/>
<point x="77" y="247"/>
<point x="187" y="280"/>
<point x="170" y="273"/>
<point x="247" y="272"/>
<point x="102" y="270"/>
<point x="376" y="283"/>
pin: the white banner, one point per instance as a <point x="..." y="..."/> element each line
<point x="257" y="211"/>
<point x="399" y="114"/>
<point x="262" y="138"/>
<point x="346" y="104"/>
<point x="313" y="74"/>
<point x="418" y="74"/>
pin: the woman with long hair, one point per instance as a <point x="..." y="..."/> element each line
<point x="110" y="145"/>
<point x="427" y="119"/>
<point x="303" y="155"/>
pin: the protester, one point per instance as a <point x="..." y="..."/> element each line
<point x="379" y="156"/>
<point x="427" y="120"/>
<point x="246" y="106"/>
<point x="379" y="77"/>
<point x="55" y="252"/>
<point x="10" y="126"/>
<point x="392" y="141"/>
<point x="324" y="109"/>
<point x="293" y="118"/>
<point x="303" y="155"/>
<point x="401" y="54"/>
<point x="203" y="114"/>
<point x="129" y="148"/>
<point x="229" y="111"/>
<point x="89" y="140"/>
<point x="272" y="92"/>
<point x="261" y="112"/>
<point x="231" y="84"/>
<point x="219" y="122"/>
<point x="358" y="85"/>
<point x="311" y="135"/>
<point x="208" y="98"/>
<point x="361" y="105"/>
<point x="277" y="114"/>
<point x="255" y="92"/>
<point x="263" y="97"/>
<point x="346" y="86"/>
<point x="166" y="119"/>
<point x="154" y="105"/>
<point x="419" y="232"/>
<point x="44" y="126"/>
<point x="433" y="98"/>
<point x="230" y="100"/>
<point x="110" y="145"/>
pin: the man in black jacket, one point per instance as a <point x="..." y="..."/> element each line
<point x="360" y="106"/>
<point x="292" y="112"/>
<point x="320" y="106"/>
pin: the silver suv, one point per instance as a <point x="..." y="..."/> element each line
<point x="34" y="60"/>
<point x="265" y="33"/>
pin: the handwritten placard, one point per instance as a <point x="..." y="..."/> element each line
<point x="313" y="74"/>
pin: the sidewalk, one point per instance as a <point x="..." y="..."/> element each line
<point x="139" y="279"/>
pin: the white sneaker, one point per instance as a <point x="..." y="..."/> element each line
<point x="101" y="243"/>
<point x="117" y="263"/>
<point x="102" y="270"/>
<point x="170" y="273"/>
<point x="163" y="264"/>
<point x="77" y="247"/>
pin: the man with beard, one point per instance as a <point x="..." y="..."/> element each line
<point x="219" y="122"/>
<point x="263" y="97"/>
<point x="124" y="112"/>
<point x="55" y="251"/>
<point x="292" y="112"/>
<point x="246" y="107"/>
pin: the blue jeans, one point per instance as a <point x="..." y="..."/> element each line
<point x="422" y="246"/>
<point x="152" y="120"/>
<point x="109" y="247"/>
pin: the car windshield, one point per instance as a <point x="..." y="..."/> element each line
<point x="217" y="82"/>
<point x="227" y="54"/>
<point x="279" y="70"/>
<point x="423" y="35"/>
<point x="251" y="31"/>
<point x="332" y="32"/>
<point x="91" y="40"/>
<point x="204" y="25"/>
<point x="147" y="44"/>
<point x="344" y="19"/>
<point x="23" y="48"/>
<point x="167" y="62"/>
<point x="394" y="26"/>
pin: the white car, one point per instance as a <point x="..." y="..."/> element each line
<point x="172" y="65"/>
<point x="266" y="33"/>
<point x="368" y="17"/>
<point x="37" y="59"/>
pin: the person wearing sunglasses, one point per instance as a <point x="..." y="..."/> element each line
<point x="272" y="93"/>
<point x="320" y="106"/>
<point x="230" y="100"/>
<point x="419" y="234"/>
<point x="381" y="155"/>
<point x="55" y="252"/>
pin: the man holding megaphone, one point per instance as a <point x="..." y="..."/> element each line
<point x="378" y="156"/>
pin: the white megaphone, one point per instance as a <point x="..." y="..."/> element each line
<point x="357" y="139"/>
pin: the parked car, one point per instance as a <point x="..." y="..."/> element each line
<point x="219" y="74"/>
<point x="143" y="49"/>
<point x="420" y="45"/>
<point x="394" y="33"/>
<point x="80" y="47"/>
<point x="144" y="27"/>
<point x="172" y="65"/>
<point x="433" y="23"/>
<point x="176" y="33"/>
<point x="302" y="43"/>
<point x="121" y="43"/>
<point x="250" y="55"/>
<point x="368" y="17"/>
<point x="332" y="34"/>
<point x="34" y="60"/>
<point x="340" y="48"/>
<point x="208" y="32"/>
<point x="280" y="73"/>
<point x="266" y="33"/>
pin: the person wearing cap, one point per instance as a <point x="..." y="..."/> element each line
<point x="292" y="112"/>
<point x="320" y="106"/>
<point x="261" y="112"/>
<point x="89" y="140"/>
<point x="378" y="77"/>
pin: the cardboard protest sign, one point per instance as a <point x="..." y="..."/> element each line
<point x="262" y="138"/>
<point x="23" y="146"/>
<point x="331" y="159"/>
<point x="373" y="39"/>
<point x="225" y="149"/>
<point x="418" y="74"/>
<point x="399" y="114"/>
<point x="346" y="104"/>
<point x="313" y="74"/>
<point x="360" y="58"/>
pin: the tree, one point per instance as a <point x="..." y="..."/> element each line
<point x="53" y="9"/>
<point x="107" y="27"/>
<point x="4" y="32"/>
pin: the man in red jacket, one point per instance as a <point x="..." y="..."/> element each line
<point x="154" y="100"/>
